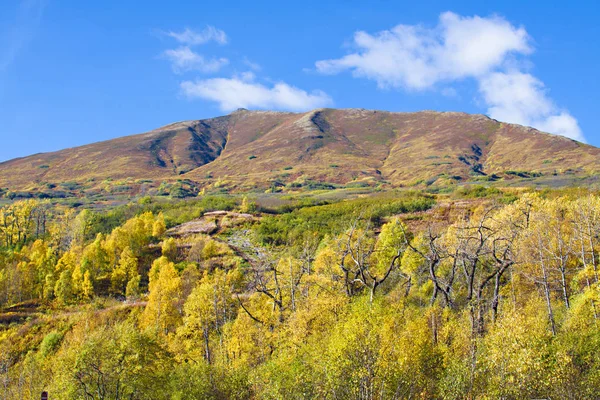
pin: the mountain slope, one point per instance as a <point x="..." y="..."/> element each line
<point x="165" y="152"/>
<point x="402" y="148"/>
<point x="262" y="148"/>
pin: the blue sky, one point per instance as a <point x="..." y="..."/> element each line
<point x="74" y="72"/>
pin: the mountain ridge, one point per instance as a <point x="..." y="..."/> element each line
<point x="266" y="148"/>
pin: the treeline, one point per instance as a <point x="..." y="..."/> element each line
<point x="352" y="300"/>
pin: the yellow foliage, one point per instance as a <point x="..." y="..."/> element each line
<point x="162" y="313"/>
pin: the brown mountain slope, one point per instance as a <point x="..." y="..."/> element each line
<point x="402" y="148"/>
<point x="165" y="152"/>
<point x="258" y="148"/>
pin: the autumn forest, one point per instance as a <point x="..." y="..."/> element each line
<point x="477" y="294"/>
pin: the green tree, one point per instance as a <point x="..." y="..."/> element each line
<point x="64" y="288"/>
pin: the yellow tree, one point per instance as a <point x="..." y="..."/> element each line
<point x="546" y="253"/>
<point x="63" y="290"/>
<point x="43" y="259"/>
<point x="516" y="356"/>
<point x="67" y="267"/>
<point x="206" y="310"/>
<point x="585" y="216"/>
<point x="426" y="262"/>
<point x="159" y="227"/>
<point x="95" y="258"/>
<point x="136" y="234"/>
<point x="60" y="229"/>
<point x="18" y="222"/>
<point x="169" y="249"/>
<point x="87" y="287"/>
<point x="367" y="262"/>
<point x="163" y="309"/>
<point x="80" y="227"/>
<point x="126" y="269"/>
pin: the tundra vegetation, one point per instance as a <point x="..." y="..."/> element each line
<point x="481" y="293"/>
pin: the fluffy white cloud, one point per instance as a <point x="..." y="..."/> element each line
<point x="413" y="57"/>
<point x="185" y="59"/>
<point x="244" y="92"/>
<point x="521" y="98"/>
<point x="190" y="37"/>
<point x="239" y="91"/>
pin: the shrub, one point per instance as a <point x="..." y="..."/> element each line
<point x="50" y="343"/>
<point x="477" y="191"/>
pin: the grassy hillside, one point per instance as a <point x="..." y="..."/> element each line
<point x="166" y="152"/>
<point x="327" y="147"/>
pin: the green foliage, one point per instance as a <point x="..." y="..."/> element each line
<point x="322" y="220"/>
<point x="477" y="191"/>
<point x="133" y="286"/>
<point x="50" y="343"/>
<point x="179" y="191"/>
<point x="145" y="200"/>
<point x="523" y="174"/>
<point x="69" y="185"/>
<point x="248" y="206"/>
<point x="64" y="288"/>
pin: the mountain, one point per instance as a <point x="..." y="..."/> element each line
<point x="347" y="146"/>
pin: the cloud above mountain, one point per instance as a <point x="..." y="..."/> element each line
<point x="521" y="98"/>
<point x="489" y="50"/>
<point x="185" y="59"/>
<point x="244" y="92"/>
<point x="239" y="90"/>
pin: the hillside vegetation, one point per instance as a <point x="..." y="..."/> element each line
<point x="481" y="293"/>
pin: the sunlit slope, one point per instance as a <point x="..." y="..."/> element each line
<point x="165" y="152"/>
<point x="248" y="148"/>
<point x="340" y="146"/>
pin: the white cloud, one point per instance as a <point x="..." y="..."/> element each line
<point x="240" y="91"/>
<point x="192" y="38"/>
<point x="185" y="59"/>
<point x="244" y="92"/>
<point x="414" y="57"/>
<point x="252" y="65"/>
<point x="521" y="98"/>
